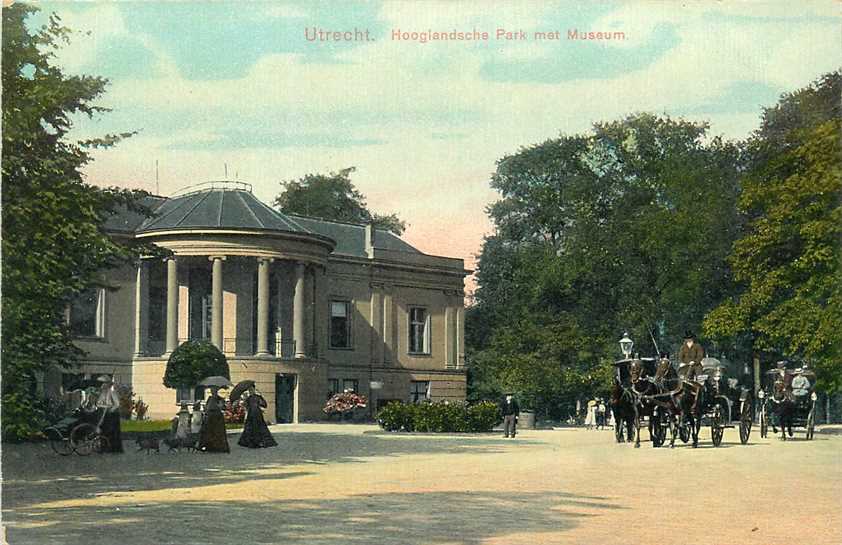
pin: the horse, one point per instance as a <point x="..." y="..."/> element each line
<point x="622" y="406"/>
<point x="650" y="399"/>
<point x="783" y="407"/>
<point x="690" y="403"/>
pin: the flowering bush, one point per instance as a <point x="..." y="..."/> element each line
<point x="140" y="409"/>
<point x="235" y="413"/>
<point x="439" y="416"/>
<point x="344" y="402"/>
<point x="126" y="396"/>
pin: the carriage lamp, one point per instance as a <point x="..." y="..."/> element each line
<point x="813" y="396"/>
<point x="626" y="344"/>
<point x="761" y="394"/>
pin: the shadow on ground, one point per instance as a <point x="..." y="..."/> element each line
<point x="33" y="473"/>
<point x="391" y="519"/>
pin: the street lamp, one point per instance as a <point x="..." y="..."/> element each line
<point x="626" y="344"/>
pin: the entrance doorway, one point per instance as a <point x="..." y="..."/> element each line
<point x="284" y="398"/>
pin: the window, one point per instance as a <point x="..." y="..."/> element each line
<point x="419" y="331"/>
<point x="333" y="387"/>
<point x="87" y="314"/>
<point x="340" y="324"/>
<point x="350" y="385"/>
<point x="419" y="390"/>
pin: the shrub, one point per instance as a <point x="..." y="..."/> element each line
<point x="344" y="402"/>
<point x="140" y="409"/>
<point x="235" y="413"/>
<point x="193" y="361"/>
<point x="438" y="417"/>
<point x="23" y="417"/>
<point x="126" y="394"/>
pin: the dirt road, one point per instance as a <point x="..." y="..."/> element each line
<point x="350" y="485"/>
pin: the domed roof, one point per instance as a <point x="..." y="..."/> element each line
<point x="220" y="207"/>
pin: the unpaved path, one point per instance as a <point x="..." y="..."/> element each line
<point x="349" y="485"/>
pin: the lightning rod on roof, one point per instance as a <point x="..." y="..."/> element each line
<point x="226" y="170"/>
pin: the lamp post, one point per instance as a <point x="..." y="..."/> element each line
<point x="626" y="344"/>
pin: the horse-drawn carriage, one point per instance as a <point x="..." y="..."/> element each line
<point x="787" y="399"/>
<point x="673" y="399"/>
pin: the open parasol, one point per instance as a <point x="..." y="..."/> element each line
<point x="241" y="387"/>
<point x="216" y="380"/>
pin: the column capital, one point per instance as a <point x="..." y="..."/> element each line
<point x="215" y="257"/>
<point x="265" y="259"/>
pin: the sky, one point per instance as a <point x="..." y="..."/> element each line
<point x="210" y="84"/>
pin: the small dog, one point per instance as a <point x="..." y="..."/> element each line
<point x="148" y="444"/>
<point x="175" y="444"/>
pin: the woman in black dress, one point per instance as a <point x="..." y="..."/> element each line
<point x="109" y="403"/>
<point x="213" y="438"/>
<point x="255" y="431"/>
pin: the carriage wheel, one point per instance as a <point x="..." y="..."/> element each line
<point x="764" y="422"/>
<point x="716" y="429"/>
<point x="100" y="444"/>
<point x="811" y="421"/>
<point x="82" y="438"/>
<point x="745" y="422"/>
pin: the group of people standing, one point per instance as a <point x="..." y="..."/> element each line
<point x="209" y="426"/>
<point x="598" y="415"/>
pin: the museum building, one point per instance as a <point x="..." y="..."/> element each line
<point x="304" y="306"/>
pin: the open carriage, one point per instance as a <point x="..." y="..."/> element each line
<point x="787" y="400"/>
<point x="724" y="403"/>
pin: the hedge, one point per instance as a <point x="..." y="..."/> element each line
<point x="439" y="416"/>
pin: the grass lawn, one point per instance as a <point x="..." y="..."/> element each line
<point x="156" y="425"/>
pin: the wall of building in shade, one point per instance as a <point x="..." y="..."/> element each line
<point x="261" y="285"/>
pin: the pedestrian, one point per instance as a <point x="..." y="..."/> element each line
<point x="109" y="403"/>
<point x="510" y="411"/>
<point x="182" y="427"/>
<point x="212" y="437"/>
<point x="590" y="419"/>
<point x="600" y="413"/>
<point x="196" y="419"/>
<point x="256" y="433"/>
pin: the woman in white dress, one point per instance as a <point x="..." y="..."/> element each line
<point x="590" y="419"/>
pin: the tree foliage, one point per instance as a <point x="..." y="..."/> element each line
<point x="333" y="197"/>
<point x="788" y="259"/>
<point x="54" y="244"/>
<point x="627" y="228"/>
<point x="193" y="361"/>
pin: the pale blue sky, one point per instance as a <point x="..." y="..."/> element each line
<point x="236" y="82"/>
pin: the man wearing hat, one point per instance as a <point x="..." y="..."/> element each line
<point x="510" y="411"/>
<point x="690" y="357"/>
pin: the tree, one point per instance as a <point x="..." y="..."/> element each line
<point x="54" y="244"/>
<point x="193" y="361"/>
<point x="787" y="261"/>
<point x="332" y="197"/>
<point x="627" y="228"/>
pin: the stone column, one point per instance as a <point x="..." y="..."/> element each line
<point x="376" y="324"/>
<point x="172" y="305"/>
<point x="141" y="308"/>
<point x="449" y="335"/>
<point x="460" y="334"/>
<point x="216" y="302"/>
<point x="263" y="306"/>
<point x="313" y="314"/>
<point x="389" y="348"/>
<point x="298" y="313"/>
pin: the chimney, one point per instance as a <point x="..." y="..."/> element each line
<point x="369" y="240"/>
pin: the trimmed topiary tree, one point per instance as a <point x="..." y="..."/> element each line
<point x="193" y="361"/>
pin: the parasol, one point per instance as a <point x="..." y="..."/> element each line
<point x="241" y="387"/>
<point x="216" y="380"/>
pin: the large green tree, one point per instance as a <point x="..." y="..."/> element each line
<point x="332" y="197"/>
<point x="54" y="245"/>
<point x="627" y="228"/>
<point x="789" y="260"/>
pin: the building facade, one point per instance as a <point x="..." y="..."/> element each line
<point x="303" y="306"/>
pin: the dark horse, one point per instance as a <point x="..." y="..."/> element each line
<point x="658" y="397"/>
<point x="622" y="404"/>
<point x="690" y="402"/>
<point x="783" y="406"/>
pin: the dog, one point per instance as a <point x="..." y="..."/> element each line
<point x="148" y="444"/>
<point x="175" y="444"/>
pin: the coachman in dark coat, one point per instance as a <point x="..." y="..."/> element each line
<point x="690" y="357"/>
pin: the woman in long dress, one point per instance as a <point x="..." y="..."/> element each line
<point x="109" y="402"/>
<point x="256" y="433"/>
<point x="213" y="438"/>
<point x="590" y="419"/>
